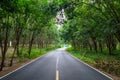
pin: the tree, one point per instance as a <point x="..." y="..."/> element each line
<point x="6" y="10"/>
<point x="92" y="23"/>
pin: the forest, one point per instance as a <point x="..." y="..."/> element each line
<point x="25" y="25"/>
<point x="91" y="28"/>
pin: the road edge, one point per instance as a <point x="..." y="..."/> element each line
<point x="24" y="65"/>
<point x="89" y="65"/>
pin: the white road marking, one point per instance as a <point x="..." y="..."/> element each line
<point x="23" y="66"/>
<point x="57" y="63"/>
<point x="89" y="66"/>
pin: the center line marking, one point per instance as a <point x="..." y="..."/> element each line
<point x="57" y="63"/>
<point x="57" y="75"/>
<point x="57" y="71"/>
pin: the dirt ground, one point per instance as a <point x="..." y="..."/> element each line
<point x="6" y="70"/>
<point x="112" y="76"/>
<point x="9" y="52"/>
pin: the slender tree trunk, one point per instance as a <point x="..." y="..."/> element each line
<point x="4" y="48"/>
<point x="18" y="32"/>
<point x="11" y="61"/>
<point x="17" y="48"/>
<point x="2" y="63"/>
<point x="110" y="44"/>
<point x="95" y="44"/>
<point x="90" y="47"/>
<point x="109" y="48"/>
<point x="31" y="43"/>
<point x="117" y="35"/>
<point x="100" y="46"/>
<point x="18" y="35"/>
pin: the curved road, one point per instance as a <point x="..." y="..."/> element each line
<point x="56" y="65"/>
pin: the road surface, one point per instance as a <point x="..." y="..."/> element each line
<point x="56" y="65"/>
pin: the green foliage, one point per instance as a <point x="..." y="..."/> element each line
<point x="82" y="56"/>
<point x="35" y="52"/>
<point x="91" y="24"/>
<point x="51" y="47"/>
<point x="106" y="62"/>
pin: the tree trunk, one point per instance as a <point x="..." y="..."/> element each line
<point x="18" y="35"/>
<point x="11" y="61"/>
<point x="4" y="48"/>
<point x="100" y="46"/>
<point x="111" y="44"/>
<point x="117" y="35"/>
<point x="109" y="48"/>
<point x="95" y="44"/>
<point x="30" y="43"/>
<point x="2" y="63"/>
<point x="18" y="32"/>
<point x="90" y="47"/>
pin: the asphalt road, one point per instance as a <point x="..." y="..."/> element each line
<point x="56" y="65"/>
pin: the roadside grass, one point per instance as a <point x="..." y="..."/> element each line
<point x="82" y="55"/>
<point x="35" y="52"/>
<point x="104" y="61"/>
<point x="24" y="56"/>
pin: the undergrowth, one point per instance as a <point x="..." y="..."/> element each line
<point x="104" y="61"/>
